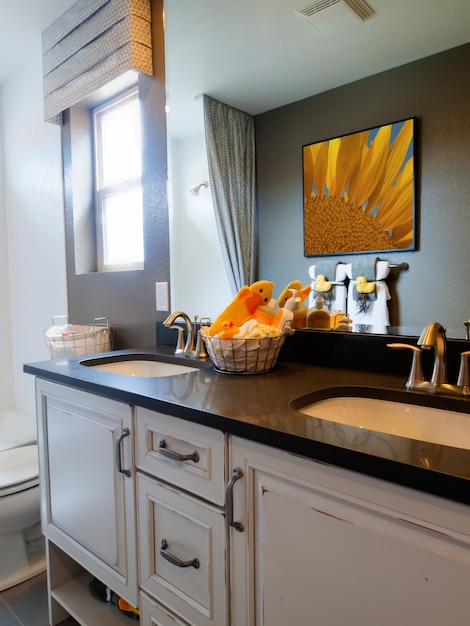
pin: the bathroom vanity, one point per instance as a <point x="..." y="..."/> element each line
<point x="206" y="498"/>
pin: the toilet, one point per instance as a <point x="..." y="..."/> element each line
<point x="21" y="541"/>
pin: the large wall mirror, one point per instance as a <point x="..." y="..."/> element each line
<point x="304" y="87"/>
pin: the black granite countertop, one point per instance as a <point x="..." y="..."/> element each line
<point x="264" y="408"/>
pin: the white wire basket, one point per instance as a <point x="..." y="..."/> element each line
<point x="64" y="339"/>
<point x="244" y="356"/>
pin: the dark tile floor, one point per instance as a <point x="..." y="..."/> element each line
<point x="26" y="604"/>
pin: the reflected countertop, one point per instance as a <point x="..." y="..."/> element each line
<point x="258" y="407"/>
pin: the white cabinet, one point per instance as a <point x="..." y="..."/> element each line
<point x="88" y="495"/>
<point x="182" y="538"/>
<point x="326" y="546"/>
<point x="288" y="541"/>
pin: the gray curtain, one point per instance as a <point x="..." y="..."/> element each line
<point x="230" y="140"/>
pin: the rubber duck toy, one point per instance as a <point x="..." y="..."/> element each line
<point x="365" y="293"/>
<point x="243" y="306"/>
<point x="287" y="293"/>
<point x="363" y="286"/>
<point x="294" y="286"/>
<point x="321" y="284"/>
<point x="228" y="330"/>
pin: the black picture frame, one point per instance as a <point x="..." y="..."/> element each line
<point x="360" y="191"/>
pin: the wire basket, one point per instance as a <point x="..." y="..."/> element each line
<point x="64" y="340"/>
<point x="244" y="356"/>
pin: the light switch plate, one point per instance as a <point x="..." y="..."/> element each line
<point x="161" y="295"/>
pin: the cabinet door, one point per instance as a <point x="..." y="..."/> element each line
<point x="315" y="553"/>
<point x="88" y="504"/>
<point x="182" y="548"/>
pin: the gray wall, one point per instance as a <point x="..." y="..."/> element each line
<point x="436" y="91"/>
<point x="128" y="298"/>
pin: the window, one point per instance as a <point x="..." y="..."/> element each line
<point x="118" y="184"/>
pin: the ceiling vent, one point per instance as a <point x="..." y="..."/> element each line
<point x="333" y="16"/>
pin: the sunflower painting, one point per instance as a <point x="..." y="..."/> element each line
<point x="359" y="191"/>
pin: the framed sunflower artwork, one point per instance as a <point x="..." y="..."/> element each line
<point x="359" y="191"/>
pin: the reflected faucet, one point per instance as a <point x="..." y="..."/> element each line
<point x="434" y="335"/>
<point x="187" y="348"/>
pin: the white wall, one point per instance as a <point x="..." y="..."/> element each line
<point x="6" y="357"/>
<point x="31" y="204"/>
<point x="32" y="242"/>
<point x="199" y="284"/>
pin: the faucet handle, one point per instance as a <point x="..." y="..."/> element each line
<point x="464" y="373"/>
<point x="416" y="372"/>
<point x="201" y="352"/>
<point x="180" y="341"/>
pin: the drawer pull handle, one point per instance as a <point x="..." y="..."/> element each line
<point x="236" y="474"/>
<point x="176" y="456"/>
<point x="125" y="433"/>
<point x="171" y="558"/>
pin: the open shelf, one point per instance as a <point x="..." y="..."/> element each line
<point x="76" y="599"/>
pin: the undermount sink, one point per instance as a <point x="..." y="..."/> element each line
<point x="412" y="421"/>
<point x="142" y="366"/>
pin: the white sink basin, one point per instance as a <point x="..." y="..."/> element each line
<point x="396" y="418"/>
<point x="143" y="368"/>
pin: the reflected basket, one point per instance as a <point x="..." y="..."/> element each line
<point x="255" y="355"/>
<point x="65" y="340"/>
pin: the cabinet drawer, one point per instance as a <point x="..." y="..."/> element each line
<point x="152" y="614"/>
<point x="161" y="438"/>
<point x="174" y="526"/>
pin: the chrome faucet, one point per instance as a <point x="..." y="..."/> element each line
<point x="434" y="336"/>
<point x="188" y="348"/>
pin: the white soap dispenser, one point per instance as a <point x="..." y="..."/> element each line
<point x="299" y="310"/>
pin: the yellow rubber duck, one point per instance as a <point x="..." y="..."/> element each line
<point x="243" y="306"/>
<point x="228" y="330"/>
<point x="286" y="294"/>
<point x="363" y="286"/>
<point x="321" y="284"/>
<point x="294" y="285"/>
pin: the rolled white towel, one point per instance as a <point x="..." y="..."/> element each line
<point x="339" y="291"/>
<point x="375" y="318"/>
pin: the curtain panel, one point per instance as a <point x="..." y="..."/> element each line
<point x="230" y="141"/>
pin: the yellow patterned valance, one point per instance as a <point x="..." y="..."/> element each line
<point x="93" y="43"/>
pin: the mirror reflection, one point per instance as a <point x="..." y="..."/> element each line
<point x="228" y="53"/>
